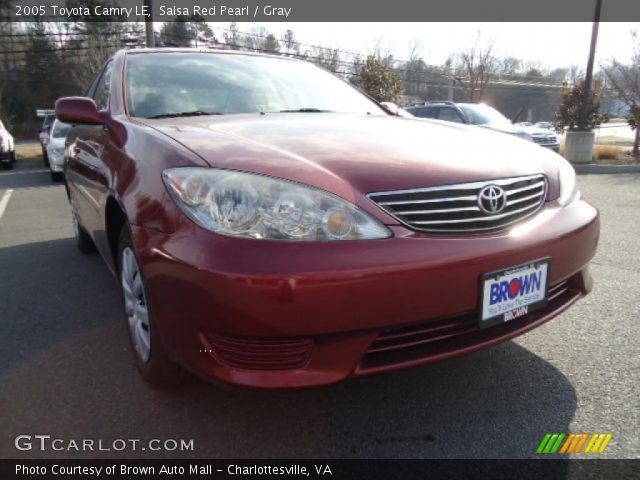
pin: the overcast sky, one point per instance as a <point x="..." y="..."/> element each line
<point x="551" y="44"/>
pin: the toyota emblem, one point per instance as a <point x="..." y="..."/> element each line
<point x="492" y="199"/>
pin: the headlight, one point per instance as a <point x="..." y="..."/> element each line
<point x="57" y="155"/>
<point x="568" y="185"/>
<point x="255" y="206"/>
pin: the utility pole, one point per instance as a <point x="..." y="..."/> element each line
<point x="586" y="100"/>
<point x="148" y="24"/>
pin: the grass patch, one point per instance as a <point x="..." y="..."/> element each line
<point x="28" y="152"/>
<point x="608" y="152"/>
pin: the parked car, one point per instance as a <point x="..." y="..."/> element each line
<point x="7" y="148"/>
<point x="545" y="125"/>
<point x="55" y="149"/>
<point x="271" y="226"/>
<point x="484" y="116"/>
<point x="43" y="136"/>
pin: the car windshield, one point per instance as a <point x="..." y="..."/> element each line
<point x="60" y="130"/>
<point x="480" y="114"/>
<point x="199" y="83"/>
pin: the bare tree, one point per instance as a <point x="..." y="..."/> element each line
<point x="232" y="36"/>
<point x="416" y="50"/>
<point x="575" y="74"/>
<point x="478" y="63"/>
<point x="328" y="58"/>
<point x="510" y="66"/>
<point x="415" y="72"/>
<point x="290" y="44"/>
<point x="382" y="51"/>
<point x="624" y="79"/>
<point x="95" y="42"/>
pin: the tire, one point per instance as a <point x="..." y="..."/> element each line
<point x="45" y="157"/>
<point x="151" y="359"/>
<point x="7" y="166"/>
<point x="57" y="176"/>
<point x="12" y="157"/>
<point x="83" y="240"/>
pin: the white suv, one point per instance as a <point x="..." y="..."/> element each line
<point x="7" y="150"/>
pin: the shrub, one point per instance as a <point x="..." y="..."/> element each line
<point x="568" y="114"/>
<point x="380" y="81"/>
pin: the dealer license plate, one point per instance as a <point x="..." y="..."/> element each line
<point x="514" y="292"/>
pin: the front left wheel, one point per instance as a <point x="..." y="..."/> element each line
<point x="149" y="354"/>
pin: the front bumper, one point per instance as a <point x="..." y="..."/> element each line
<point x="56" y="161"/>
<point x="236" y="309"/>
<point x="56" y="167"/>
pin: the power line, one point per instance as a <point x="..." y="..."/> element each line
<point x="334" y="62"/>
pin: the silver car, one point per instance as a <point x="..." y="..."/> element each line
<point x="55" y="149"/>
<point x="486" y="117"/>
<point x="7" y="148"/>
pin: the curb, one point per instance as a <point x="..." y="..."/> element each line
<point x="594" y="168"/>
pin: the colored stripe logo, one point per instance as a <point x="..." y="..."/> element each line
<point x="573" y="443"/>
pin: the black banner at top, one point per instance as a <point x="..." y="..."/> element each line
<point x="318" y="11"/>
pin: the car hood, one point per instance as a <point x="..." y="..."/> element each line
<point x="538" y="131"/>
<point x="56" y="142"/>
<point x="352" y="156"/>
<point x="505" y="128"/>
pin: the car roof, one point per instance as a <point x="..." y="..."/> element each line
<point x="434" y="103"/>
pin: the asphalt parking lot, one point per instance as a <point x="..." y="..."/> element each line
<point x="66" y="369"/>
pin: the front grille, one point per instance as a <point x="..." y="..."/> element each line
<point x="428" y="341"/>
<point x="258" y="354"/>
<point x="456" y="208"/>
<point x="545" y="139"/>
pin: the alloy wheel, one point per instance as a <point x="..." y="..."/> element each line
<point x="135" y="304"/>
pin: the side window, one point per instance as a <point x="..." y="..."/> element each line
<point x="429" y="112"/>
<point x="449" y="115"/>
<point x="425" y="112"/>
<point x="101" y="94"/>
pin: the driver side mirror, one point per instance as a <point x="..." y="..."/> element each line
<point x="391" y="108"/>
<point x="78" y="110"/>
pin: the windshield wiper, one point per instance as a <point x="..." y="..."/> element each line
<point x="305" y="110"/>
<point x="195" y="113"/>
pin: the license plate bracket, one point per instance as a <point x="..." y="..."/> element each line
<point x="513" y="292"/>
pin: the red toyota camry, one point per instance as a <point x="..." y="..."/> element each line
<point x="272" y="226"/>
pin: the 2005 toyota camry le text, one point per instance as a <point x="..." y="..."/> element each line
<point x="271" y="226"/>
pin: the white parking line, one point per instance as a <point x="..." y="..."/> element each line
<point x="5" y="201"/>
<point x="24" y="172"/>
